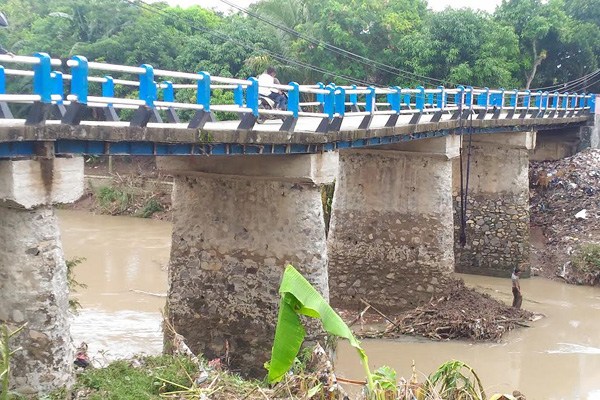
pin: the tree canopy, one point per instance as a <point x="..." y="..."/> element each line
<point x="533" y="43"/>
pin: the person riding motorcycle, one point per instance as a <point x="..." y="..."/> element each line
<point x="266" y="79"/>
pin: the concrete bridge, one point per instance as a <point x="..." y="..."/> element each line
<point x="247" y="197"/>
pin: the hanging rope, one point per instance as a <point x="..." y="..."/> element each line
<point x="464" y="183"/>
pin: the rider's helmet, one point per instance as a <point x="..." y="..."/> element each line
<point x="3" y="20"/>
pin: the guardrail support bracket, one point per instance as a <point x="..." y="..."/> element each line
<point x="74" y="113"/>
<point x="38" y="113"/>
<point x="289" y="124"/>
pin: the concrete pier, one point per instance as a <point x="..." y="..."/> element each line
<point x="391" y="233"/>
<point x="236" y="225"/>
<point x="497" y="217"/>
<point x="33" y="274"/>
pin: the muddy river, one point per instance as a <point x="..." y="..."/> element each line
<point x="125" y="270"/>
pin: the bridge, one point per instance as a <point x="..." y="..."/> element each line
<point x="415" y="169"/>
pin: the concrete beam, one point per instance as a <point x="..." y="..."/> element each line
<point x="315" y="168"/>
<point x="233" y="235"/>
<point x="497" y="216"/>
<point x="391" y="233"/>
<point x="33" y="290"/>
<point x="32" y="183"/>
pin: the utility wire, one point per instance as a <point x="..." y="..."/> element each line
<point x="348" y="54"/>
<point x="224" y="37"/>
<point x="583" y="84"/>
<point x="566" y="84"/>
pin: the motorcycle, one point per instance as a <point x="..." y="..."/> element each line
<point x="266" y="103"/>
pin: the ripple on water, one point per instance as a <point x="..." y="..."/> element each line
<point x="118" y="334"/>
<point x="573" y="348"/>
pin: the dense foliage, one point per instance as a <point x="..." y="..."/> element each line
<point x="525" y="42"/>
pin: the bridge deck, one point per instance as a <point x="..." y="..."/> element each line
<point x="222" y="138"/>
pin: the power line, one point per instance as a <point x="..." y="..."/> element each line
<point x="566" y="84"/>
<point x="338" y="50"/>
<point x="583" y="85"/>
<point x="227" y="38"/>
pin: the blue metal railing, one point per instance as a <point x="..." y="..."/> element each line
<point x="330" y="103"/>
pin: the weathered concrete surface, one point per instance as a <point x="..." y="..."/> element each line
<point x="391" y="233"/>
<point x="223" y="132"/>
<point x="316" y="168"/>
<point x="33" y="290"/>
<point x="31" y="183"/>
<point x="233" y="235"/>
<point x="590" y="134"/>
<point x="497" y="217"/>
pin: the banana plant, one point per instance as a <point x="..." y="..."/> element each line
<point x="299" y="297"/>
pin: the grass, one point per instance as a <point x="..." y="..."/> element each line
<point x="129" y="196"/>
<point x="139" y="378"/>
<point x="157" y="377"/>
<point x="586" y="262"/>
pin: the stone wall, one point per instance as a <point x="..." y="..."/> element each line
<point x="497" y="233"/>
<point x="232" y="238"/>
<point x="497" y="218"/>
<point x="391" y="234"/>
<point x="33" y="290"/>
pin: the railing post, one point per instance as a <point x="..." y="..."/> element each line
<point x="238" y="95"/>
<point x="483" y="100"/>
<point x="321" y="97"/>
<point x="42" y="86"/>
<point x="58" y="108"/>
<point x="353" y="100"/>
<point x="79" y="88"/>
<point x="339" y="108"/>
<point x="328" y="108"/>
<point x="553" y="104"/>
<point x="469" y="97"/>
<point x="440" y="98"/>
<point x="420" y="105"/>
<point x="249" y="119"/>
<point x="370" y="99"/>
<point x="147" y="112"/>
<point x="168" y="93"/>
<point x="4" y="109"/>
<point x="289" y="123"/>
<point x="108" y="90"/>
<point x="395" y="100"/>
<point x="459" y="98"/>
<point x="203" y="96"/>
<point x="573" y="104"/>
<point x="440" y="104"/>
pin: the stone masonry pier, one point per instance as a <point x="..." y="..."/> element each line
<point x="33" y="274"/>
<point x="497" y="217"/>
<point x="236" y="225"/>
<point x="391" y="234"/>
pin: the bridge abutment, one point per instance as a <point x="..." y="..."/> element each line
<point x="391" y="233"/>
<point x="497" y="216"/>
<point x="237" y="223"/>
<point x="33" y="274"/>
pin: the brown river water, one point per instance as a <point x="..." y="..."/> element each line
<point x="125" y="270"/>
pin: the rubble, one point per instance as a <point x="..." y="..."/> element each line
<point x="458" y="313"/>
<point x="565" y="204"/>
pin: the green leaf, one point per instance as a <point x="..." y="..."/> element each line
<point x="298" y="296"/>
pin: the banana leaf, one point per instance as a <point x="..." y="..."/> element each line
<point x="299" y="297"/>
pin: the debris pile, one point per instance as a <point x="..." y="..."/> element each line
<point x="459" y="313"/>
<point x="565" y="204"/>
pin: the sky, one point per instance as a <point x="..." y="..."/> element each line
<point x="485" y="5"/>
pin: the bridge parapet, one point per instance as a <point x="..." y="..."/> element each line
<point x="324" y="108"/>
